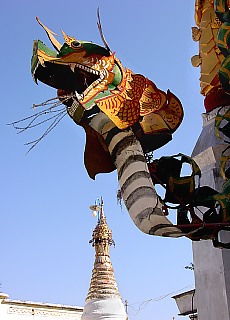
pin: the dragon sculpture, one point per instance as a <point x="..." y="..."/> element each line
<point x="125" y="117"/>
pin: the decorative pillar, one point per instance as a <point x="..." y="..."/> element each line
<point x="211" y="265"/>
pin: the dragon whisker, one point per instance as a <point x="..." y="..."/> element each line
<point x="58" y="118"/>
<point x="41" y="113"/>
<point x="29" y="126"/>
<point x="51" y="101"/>
<point x="56" y="111"/>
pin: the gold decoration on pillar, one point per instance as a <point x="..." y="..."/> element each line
<point x="209" y="58"/>
<point x="103" y="284"/>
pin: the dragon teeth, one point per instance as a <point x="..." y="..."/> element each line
<point x="72" y="66"/>
<point x="102" y="75"/>
<point x="85" y="68"/>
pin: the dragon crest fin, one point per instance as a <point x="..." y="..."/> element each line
<point x="68" y="39"/>
<point x="50" y="35"/>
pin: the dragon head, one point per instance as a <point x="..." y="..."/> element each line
<point x="95" y="81"/>
<point x="81" y="67"/>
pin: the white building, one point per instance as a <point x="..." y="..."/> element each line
<point x="30" y="310"/>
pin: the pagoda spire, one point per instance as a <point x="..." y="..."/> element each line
<point x="103" y="283"/>
<point x="103" y="301"/>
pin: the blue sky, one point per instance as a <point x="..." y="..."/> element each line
<point x="46" y="223"/>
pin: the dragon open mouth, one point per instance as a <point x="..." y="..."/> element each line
<point x="76" y="78"/>
<point x="82" y="68"/>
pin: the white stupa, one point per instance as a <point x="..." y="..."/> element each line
<point x="103" y="300"/>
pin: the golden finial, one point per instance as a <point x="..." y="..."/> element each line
<point x="102" y="233"/>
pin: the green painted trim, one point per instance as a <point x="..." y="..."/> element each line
<point x="48" y="51"/>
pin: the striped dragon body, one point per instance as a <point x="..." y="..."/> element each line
<point x="137" y="189"/>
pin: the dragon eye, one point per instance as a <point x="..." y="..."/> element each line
<point x="76" y="44"/>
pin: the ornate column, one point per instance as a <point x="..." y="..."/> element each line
<point x="212" y="278"/>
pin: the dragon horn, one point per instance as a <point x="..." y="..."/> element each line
<point x="68" y="39"/>
<point x="64" y="35"/>
<point x="100" y="30"/>
<point x="50" y="34"/>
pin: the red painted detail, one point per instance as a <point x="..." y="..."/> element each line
<point x="216" y="98"/>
